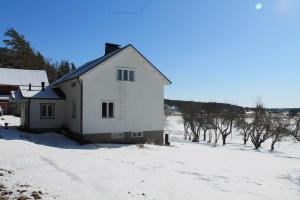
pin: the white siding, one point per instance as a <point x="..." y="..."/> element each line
<point x="37" y="123"/>
<point x="138" y="104"/>
<point x="72" y="94"/>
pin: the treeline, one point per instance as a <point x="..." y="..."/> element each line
<point x="218" y="121"/>
<point x="17" y="53"/>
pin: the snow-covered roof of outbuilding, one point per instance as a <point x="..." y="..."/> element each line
<point x="36" y="92"/>
<point x="4" y="97"/>
<point x="18" y="77"/>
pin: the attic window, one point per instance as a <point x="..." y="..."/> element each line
<point x="125" y="75"/>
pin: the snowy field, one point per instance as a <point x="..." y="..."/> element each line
<point x="58" y="168"/>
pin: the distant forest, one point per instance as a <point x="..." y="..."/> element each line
<point x="217" y="107"/>
<point x="18" y="53"/>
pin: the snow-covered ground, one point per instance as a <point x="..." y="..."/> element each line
<point x="10" y="119"/>
<point x="62" y="169"/>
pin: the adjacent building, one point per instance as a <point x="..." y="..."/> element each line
<point x="12" y="79"/>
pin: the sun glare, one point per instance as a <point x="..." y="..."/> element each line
<point x="259" y="6"/>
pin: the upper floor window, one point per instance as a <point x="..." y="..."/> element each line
<point x="47" y="111"/>
<point x="125" y="75"/>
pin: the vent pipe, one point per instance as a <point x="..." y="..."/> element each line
<point x="43" y="86"/>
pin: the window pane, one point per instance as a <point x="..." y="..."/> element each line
<point x="131" y="75"/>
<point x="125" y="73"/>
<point x="44" y="111"/>
<point x="104" y="109"/>
<point x="119" y="74"/>
<point x="111" y="109"/>
<point x="50" y="114"/>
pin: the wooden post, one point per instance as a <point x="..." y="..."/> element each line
<point x="167" y="143"/>
<point x="5" y="125"/>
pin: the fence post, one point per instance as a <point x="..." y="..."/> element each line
<point x="167" y="143"/>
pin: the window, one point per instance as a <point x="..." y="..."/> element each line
<point x="125" y="75"/>
<point x="137" y="134"/>
<point x="74" y="110"/>
<point x="119" y="74"/>
<point x="46" y="111"/>
<point x="107" y="110"/>
<point x="131" y="75"/>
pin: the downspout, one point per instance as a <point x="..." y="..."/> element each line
<point x="81" y="109"/>
<point x="28" y="126"/>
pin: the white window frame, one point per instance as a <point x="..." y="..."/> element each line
<point x="128" y="74"/>
<point x="47" y="116"/>
<point x="137" y="134"/>
<point x="107" y="109"/>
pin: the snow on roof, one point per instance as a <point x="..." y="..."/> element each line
<point x="37" y="93"/>
<point x="22" y="77"/>
<point x="4" y="97"/>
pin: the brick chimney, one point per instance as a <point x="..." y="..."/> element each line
<point x="110" y="47"/>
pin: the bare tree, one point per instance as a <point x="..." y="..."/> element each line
<point x="190" y="115"/>
<point x="280" y="128"/>
<point x="225" y="123"/>
<point x="245" y="128"/>
<point x="295" y="132"/>
<point x="261" y="126"/>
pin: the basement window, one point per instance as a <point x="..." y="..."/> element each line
<point x="137" y="134"/>
<point x="107" y="109"/>
<point x="46" y="111"/>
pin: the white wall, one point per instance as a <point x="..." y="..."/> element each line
<point x="37" y="123"/>
<point x="141" y="101"/>
<point x="72" y="94"/>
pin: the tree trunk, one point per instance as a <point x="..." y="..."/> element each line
<point x="204" y="136"/>
<point x="272" y="145"/>
<point x="224" y="140"/>
<point x="257" y="146"/>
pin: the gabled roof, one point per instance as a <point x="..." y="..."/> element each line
<point x="85" y="67"/>
<point x="16" y="77"/>
<point x="90" y="65"/>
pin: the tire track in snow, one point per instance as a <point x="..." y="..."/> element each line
<point x="58" y="168"/>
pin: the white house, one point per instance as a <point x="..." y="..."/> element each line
<point x="118" y="97"/>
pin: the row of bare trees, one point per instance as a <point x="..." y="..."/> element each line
<point x="219" y="123"/>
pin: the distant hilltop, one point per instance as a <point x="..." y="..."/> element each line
<point x="177" y="104"/>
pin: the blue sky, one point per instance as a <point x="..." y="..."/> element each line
<point x="212" y="50"/>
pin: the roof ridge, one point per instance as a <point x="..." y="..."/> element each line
<point x="91" y="64"/>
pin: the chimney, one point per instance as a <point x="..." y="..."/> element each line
<point x="43" y="86"/>
<point x="29" y="86"/>
<point x="110" y="47"/>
